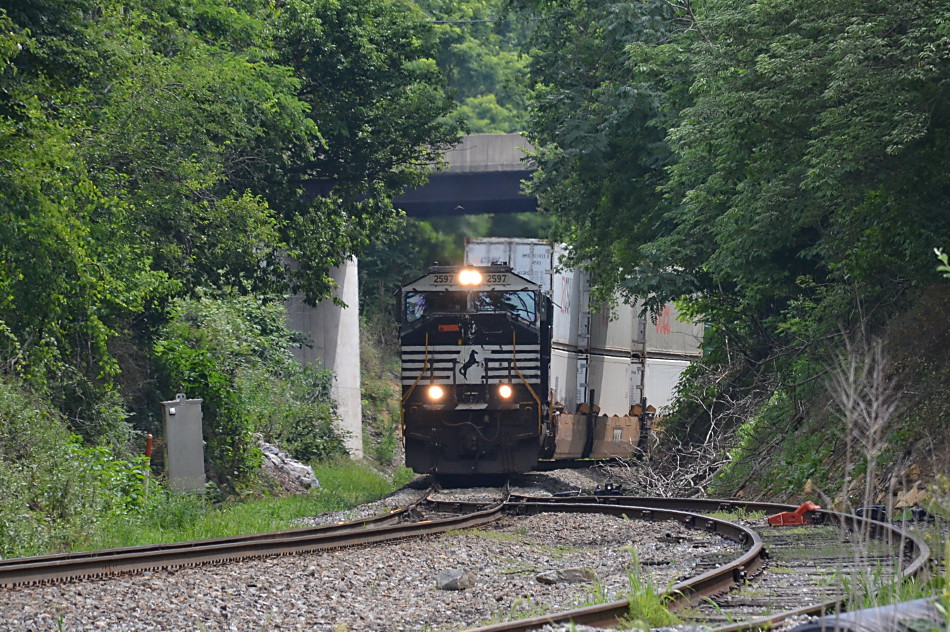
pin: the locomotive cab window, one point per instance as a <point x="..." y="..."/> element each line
<point x="520" y="303"/>
<point x="422" y="304"/>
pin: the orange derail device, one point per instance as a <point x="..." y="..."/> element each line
<point x="793" y="517"/>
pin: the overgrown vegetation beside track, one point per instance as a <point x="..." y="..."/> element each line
<point x="58" y="494"/>
<point x="166" y="517"/>
<point x="771" y="166"/>
<point x="153" y="161"/>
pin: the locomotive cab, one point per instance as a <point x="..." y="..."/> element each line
<point x="475" y="354"/>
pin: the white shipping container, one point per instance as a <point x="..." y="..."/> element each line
<point x="563" y="379"/>
<point x="567" y="298"/>
<point x="531" y="258"/>
<point x="593" y="348"/>
<point x="662" y="376"/>
<point x="613" y="330"/>
<point x="609" y="376"/>
<point x="671" y="335"/>
<point x="617" y="381"/>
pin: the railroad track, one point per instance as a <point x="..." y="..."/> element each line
<point x="434" y="516"/>
<point x="698" y="602"/>
<point x="397" y="524"/>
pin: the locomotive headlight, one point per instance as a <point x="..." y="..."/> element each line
<point x="505" y="391"/>
<point x="436" y="392"/>
<point x="470" y="277"/>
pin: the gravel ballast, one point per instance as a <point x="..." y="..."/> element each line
<point x="386" y="587"/>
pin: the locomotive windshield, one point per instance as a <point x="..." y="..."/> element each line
<point x="521" y="303"/>
<point x="419" y="304"/>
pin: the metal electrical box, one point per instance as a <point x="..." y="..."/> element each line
<point x="184" y="444"/>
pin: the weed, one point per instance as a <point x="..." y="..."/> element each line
<point x="596" y="594"/>
<point x="780" y="570"/>
<point x="872" y="587"/>
<point x="739" y="514"/>
<point x="523" y="608"/>
<point x="724" y="614"/>
<point x="648" y="607"/>
<point x="520" y="608"/>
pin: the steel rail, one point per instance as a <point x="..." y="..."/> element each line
<point x="102" y="554"/>
<point x="715" y="581"/>
<point x="19" y="571"/>
<point x="679" y="595"/>
<point x="912" y="548"/>
<point x="377" y="529"/>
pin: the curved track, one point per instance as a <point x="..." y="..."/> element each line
<point x="404" y="523"/>
<point x="913" y="552"/>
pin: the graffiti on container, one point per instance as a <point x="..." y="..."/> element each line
<point x="663" y="321"/>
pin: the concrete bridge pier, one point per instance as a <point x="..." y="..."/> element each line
<point x="335" y="335"/>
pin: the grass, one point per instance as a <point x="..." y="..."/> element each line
<point x="872" y="587"/>
<point x="169" y="517"/>
<point x="648" y="607"/>
<point x="521" y="608"/>
<point x="739" y="514"/>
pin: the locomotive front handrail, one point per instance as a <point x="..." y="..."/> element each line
<point x="425" y="364"/>
<point x="514" y="357"/>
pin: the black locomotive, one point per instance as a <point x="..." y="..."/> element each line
<point x="476" y="347"/>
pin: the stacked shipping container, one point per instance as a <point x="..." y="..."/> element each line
<point x="623" y="357"/>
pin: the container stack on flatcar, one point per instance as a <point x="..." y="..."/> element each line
<point x="505" y="361"/>
<point x="625" y="357"/>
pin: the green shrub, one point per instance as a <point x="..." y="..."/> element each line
<point x="379" y="382"/>
<point x="293" y="408"/>
<point x="233" y="352"/>
<point x="52" y="489"/>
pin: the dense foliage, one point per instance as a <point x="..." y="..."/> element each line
<point x="169" y="171"/>
<point x="480" y="51"/>
<point x="777" y="167"/>
<point x="234" y="352"/>
<point x="51" y="487"/>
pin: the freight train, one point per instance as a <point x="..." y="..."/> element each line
<point x="477" y="395"/>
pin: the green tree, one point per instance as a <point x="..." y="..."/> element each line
<point x="598" y="120"/>
<point x="195" y="127"/>
<point x="70" y="269"/>
<point x="149" y="148"/>
<point x="368" y="73"/>
<point x="775" y="166"/>
<point x="480" y="51"/>
<point x="802" y="155"/>
<point x="805" y="168"/>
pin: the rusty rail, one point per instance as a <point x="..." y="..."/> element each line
<point x="52" y="568"/>
<point x="679" y="595"/>
<point x="718" y="580"/>
<point x="688" y="512"/>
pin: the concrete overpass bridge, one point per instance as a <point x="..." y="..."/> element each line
<point x="484" y="176"/>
